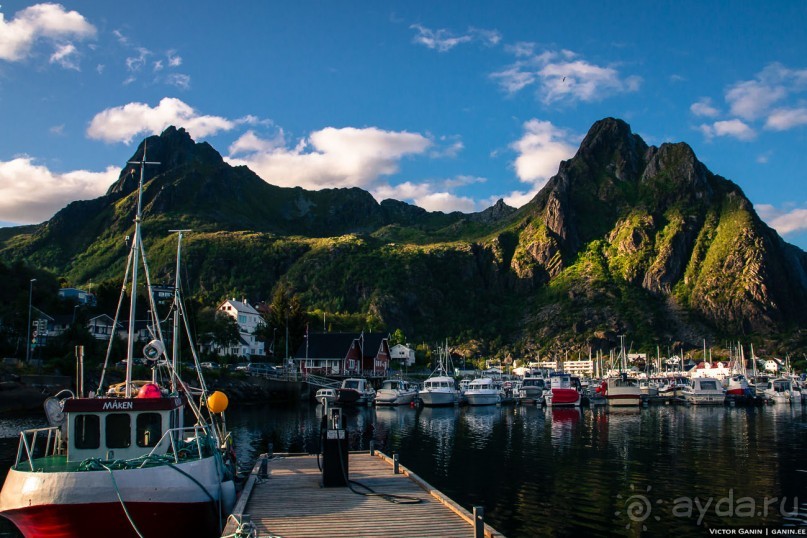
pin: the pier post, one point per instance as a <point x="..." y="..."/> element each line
<point x="270" y="450"/>
<point x="372" y="447"/>
<point x="395" y="468"/>
<point x="263" y="470"/>
<point x="479" y="522"/>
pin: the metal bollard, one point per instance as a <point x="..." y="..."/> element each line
<point x="270" y="449"/>
<point x="395" y="469"/>
<point x="479" y="522"/>
<point x="372" y="447"/>
<point x="263" y="470"/>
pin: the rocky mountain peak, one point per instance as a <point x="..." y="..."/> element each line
<point x="173" y="148"/>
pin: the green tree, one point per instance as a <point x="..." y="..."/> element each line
<point x="288" y="316"/>
<point x="397" y="338"/>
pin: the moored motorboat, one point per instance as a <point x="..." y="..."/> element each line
<point x="395" y="392"/>
<point x="483" y="391"/>
<point x="355" y="391"/>
<point x="780" y="391"/>
<point x="326" y="396"/>
<point x="621" y="391"/>
<point x="704" y="391"/>
<point x="561" y="392"/>
<point x="532" y="390"/>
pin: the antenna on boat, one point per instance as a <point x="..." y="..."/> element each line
<point x="134" y="260"/>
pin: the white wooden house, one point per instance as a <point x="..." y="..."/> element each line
<point x="249" y="320"/>
<point x="402" y="353"/>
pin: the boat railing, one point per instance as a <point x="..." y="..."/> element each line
<point x="31" y="440"/>
<point x="180" y="447"/>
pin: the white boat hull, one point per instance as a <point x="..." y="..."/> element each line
<point x="435" y="398"/>
<point x="486" y="398"/>
<point x="85" y="503"/>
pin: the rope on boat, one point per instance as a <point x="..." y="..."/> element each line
<point x="123" y="504"/>
<point x="244" y="529"/>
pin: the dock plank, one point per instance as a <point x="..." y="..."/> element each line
<point x="290" y="503"/>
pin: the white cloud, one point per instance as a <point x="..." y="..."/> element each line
<point x="30" y="193"/>
<point x="174" y="60"/>
<point x="444" y="40"/>
<point x="42" y="21"/>
<point x="331" y="157"/>
<point x="446" y="202"/>
<point x="704" y="108"/>
<point x="136" y="63"/>
<point x="784" y="220"/>
<point x="249" y="142"/>
<point x="540" y="151"/>
<point x="179" y="80"/>
<point x="431" y="196"/>
<point x="561" y="75"/>
<point x="734" y="128"/>
<point x="754" y="99"/>
<point x="123" y="123"/>
<point x="66" y="56"/>
<point x="783" y="119"/>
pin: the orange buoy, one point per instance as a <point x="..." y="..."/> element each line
<point x="217" y="402"/>
<point x="149" y="390"/>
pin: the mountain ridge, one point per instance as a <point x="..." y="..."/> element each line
<point x="622" y="228"/>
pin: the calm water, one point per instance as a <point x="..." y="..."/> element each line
<point x="662" y="470"/>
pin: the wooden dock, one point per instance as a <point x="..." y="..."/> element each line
<point x="289" y="502"/>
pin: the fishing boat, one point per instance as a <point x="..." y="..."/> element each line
<point x="704" y="391"/>
<point x="440" y="389"/>
<point x="124" y="463"/>
<point x="484" y="391"/>
<point x="355" y="391"/>
<point x="561" y="391"/>
<point x="395" y="392"/>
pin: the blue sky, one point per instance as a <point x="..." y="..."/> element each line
<point x="448" y="105"/>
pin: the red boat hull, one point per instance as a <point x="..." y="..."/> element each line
<point x="108" y="519"/>
<point x="565" y="397"/>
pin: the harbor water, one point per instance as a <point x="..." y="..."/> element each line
<point x="671" y="470"/>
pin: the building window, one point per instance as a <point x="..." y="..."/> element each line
<point x="87" y="431"/>
<point x="242" y="319"/>
<point x="118" y="431"/>
<point x="149" y="429"/>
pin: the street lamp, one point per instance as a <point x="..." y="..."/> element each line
<point x="28" y="337"/>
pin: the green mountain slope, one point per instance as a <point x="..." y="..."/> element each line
<point x="625" y="238"/>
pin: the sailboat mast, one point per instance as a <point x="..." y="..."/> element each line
<point x="177" y="313"/>
<point x="135" y="260"/>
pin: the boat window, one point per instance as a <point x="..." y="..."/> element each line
<point x="709" y="385"/>
<point x="149" y="429"/>
<point x="118" y="431"/>
<point x="87" y="431"/>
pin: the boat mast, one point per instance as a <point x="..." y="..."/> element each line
<point x="135" y="256"/>
<point x="177" y="313"/>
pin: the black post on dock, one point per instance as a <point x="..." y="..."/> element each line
<point x="372" y="447"/>
<point x="395" y="469"/>
<point x="479" y="522"/>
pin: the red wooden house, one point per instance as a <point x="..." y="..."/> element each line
<point x="344" y="355"/>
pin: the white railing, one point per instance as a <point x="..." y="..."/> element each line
<point x="29" y="440"/>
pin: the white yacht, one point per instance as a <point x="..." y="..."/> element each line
<point x="395" y="392"/>
<point x="704" y="391"/>
<point x="780" y="390"/>
<point x="483" y="391"/>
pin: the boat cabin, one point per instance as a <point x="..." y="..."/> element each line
<point x="119" y="428"/>
<point x="484" y="383"/>
<point x="439" y="383"/>
<point x="395" y="384"/>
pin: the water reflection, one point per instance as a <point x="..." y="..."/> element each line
<point x="566" y="472"/>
